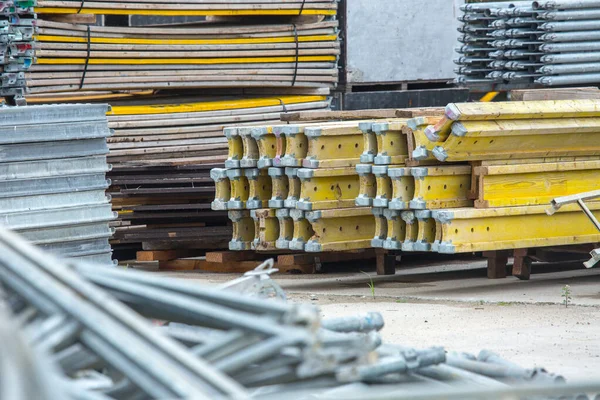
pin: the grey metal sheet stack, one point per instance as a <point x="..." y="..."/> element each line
<point x="524" y="44"/>
<point x="53" y="178"/>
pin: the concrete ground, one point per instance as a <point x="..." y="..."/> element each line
<point x="451" y="303"/>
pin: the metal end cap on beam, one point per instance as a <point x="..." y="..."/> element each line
<point x="446" y="248"/>
<point x="231" y="132"/>
<point x="423" y="214"/>
<point x="235" y="173"/>
<point x="282" y="244"/>
<point x="420" y="153"/>
<point x="408" y="246"/>
<point x="396" y="204"/>
<point x="367" y="157"/>
<point x="310" y="163"/>
<point x="380" y="202"/>
<point x="306" y="173"/>
<point x="264" y="163"/>
<point x="458" y="129"/>
<point x="422" y="246"/>
<point x="218" y="205"/>
<point x="218" y="174"/>
<point x="417" y="204"/>
<point x="235" y="205"/>
<point x="313" y="247"/>
<point x="314" y="216"/>
<point x="377" y="243"/>
<point x="452" y="112"/>
<point x="440" y="153"/>
<point x="392" y="244"/>
<point x="408" y="216"/>
<point x="259" y="132"/>
<point x="313" y="132"/>
<point x="276" y="172"/>
<point x="443" y="216"/>
<point x="382" y="159"/>
<point x="276" y="203"/>
<point x="296" y="244"/>
<point x="364" y="168"/>
<point x="363" y="201"/>
<point x="231" y="163"/>
<point x="380" y="170"/>
<point x="282" y="213"/>
<point x="432" y="134"/>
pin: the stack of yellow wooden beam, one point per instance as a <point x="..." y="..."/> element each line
<point x="523" y="154"/>
<point x="294" y="187"/>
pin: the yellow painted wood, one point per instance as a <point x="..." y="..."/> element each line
<point x="534" y="184"/>
<point x="412" y="230"/>
<point x="260" y="188"/>
<point x="294" y="187"/>
<point x="523" y="110"/>
<point x="396" y="229"/>
<point x="392" y="146"/>
<point x="267" y="146"/>
<point x="248" y="12"/>
<point x="523" y="139"/>
<point x="323" y="189"/>
<point x="280" y="187"/>
<point x="303" y="230"/>
<point x="441" y="187"/>
<point x="470" y="230"/>
<point x="172" y="42"/>
<point x="367" y="186"/>
<point x="403" y="188"/>
<point x="419" y="146"/>
<point x="369" y="142"/>
<point x="212" y="105"/>
<point x="280" y="147"/>
<point x="331" y="148"/>
<point x="384" y="193"/>
<point x="286" y="228"/>
<point x="240" y="189"/>
<point x="381" y="228"/>
<point x="440" y="131"/>
<point x="243" y="230"/>
<point x="341" y="229"/>
<point x="222" y="189"/>
<point x="251" y="154"/>
<point x="296" y="144"/>
<point x="182" y="61"/>
<point x="266" y="229"/>
<point x="235" y="148"/>
<point x="426" y="230"/>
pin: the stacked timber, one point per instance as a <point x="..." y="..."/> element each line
<point x="53" y="178"/>
<point x="162" y="153"/>
<point x="524" y="43"/>
<point x="190" y="7"/>
<point x="73" y="57"/>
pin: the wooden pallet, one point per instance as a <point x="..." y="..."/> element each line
<point x="244" y="261"/>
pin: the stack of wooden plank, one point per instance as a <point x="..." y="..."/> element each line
<point x="162" y="153"/>
<point x="71" y="57"/>
<point x="190" y="7"/>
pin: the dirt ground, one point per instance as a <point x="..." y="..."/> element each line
<point x="451" y="303"/>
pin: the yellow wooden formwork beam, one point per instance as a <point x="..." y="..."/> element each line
<point x="420" y="148"/>
<point x="440" y="131"/>
<point x="392" y="146"/>
<point x="396" y="229"/>
<point x="384" y="185"/>
<point x="441" y="187"/>
<point x="280" y="147"/>
<point x="303" y="230"/>
<point x="426" y="230"/>
<point x="280" y="187"/>
<point x="240" y="189"/>
<point x="534" y="184"/>
<point x="465" y="230"/>
<point x="222" y="189"/>
<point x="341" y="229"/>
<point x="243" y="230"/>
<point x="251" y="154"/>
<point x="520" y="139"/>
<point x="266" y="229"/>
<point x="286" y="228"/>
<point x="235" y="146"/>
<point x="381" y="228"/>
<point x="509" y="110"/>
<point x="369" y="142"/>
<point x="323" y="189"/>
<point x="333" y="145"/>
<point x="296" y="144"/>
<point x="412" y="230"/>
<point x="260" y="188"/>
<point x="367" y="186"/>
<point x="267" y="146"/>
<point x="294" y="187"/>
<point x="403" y="188"/>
